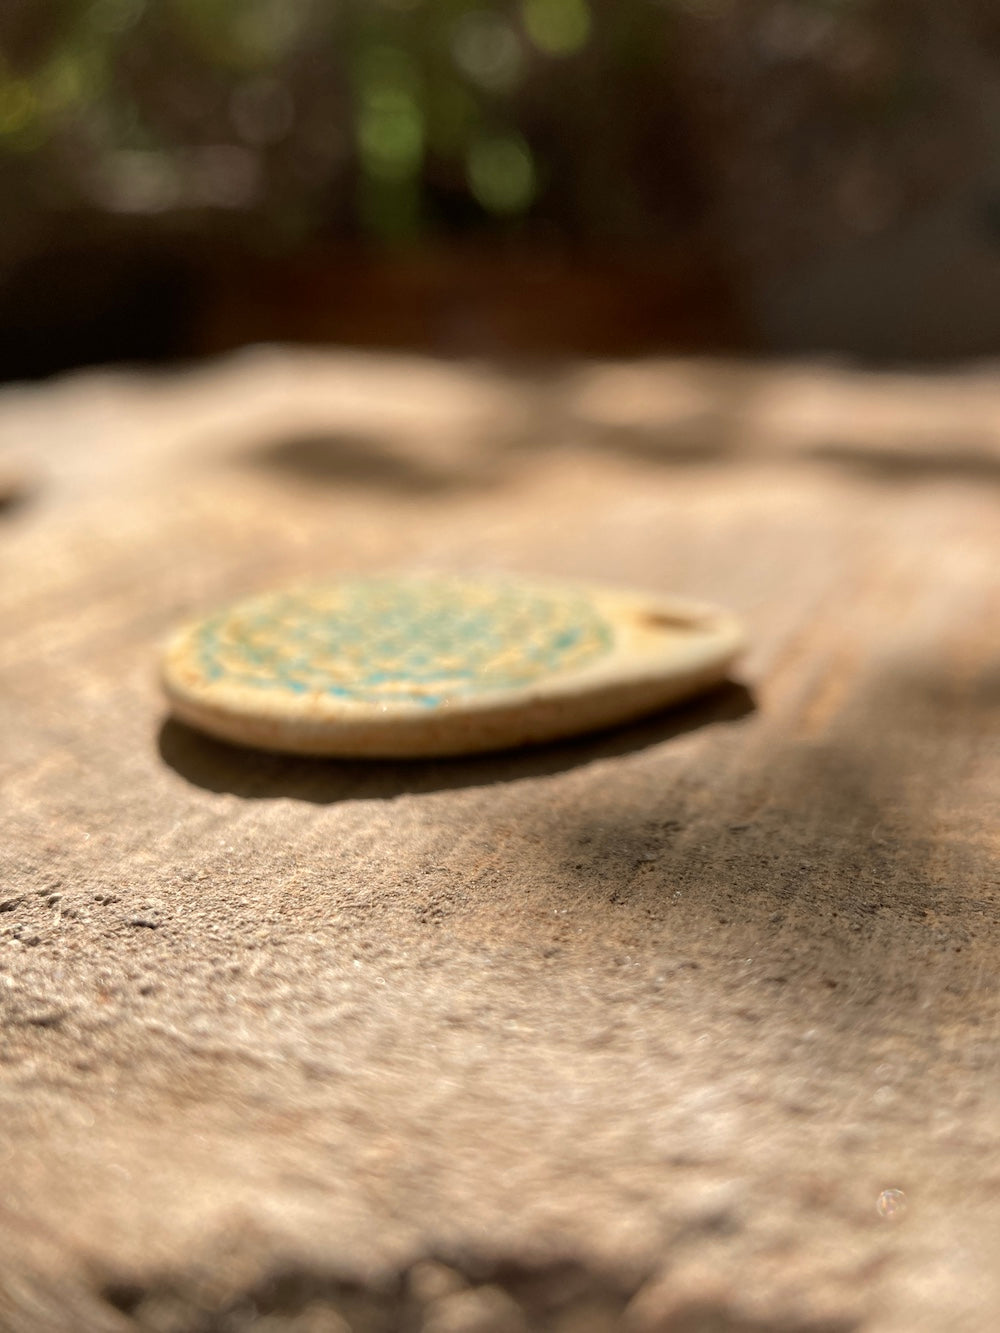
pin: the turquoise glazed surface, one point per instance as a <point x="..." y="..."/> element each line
<point x="385" y="640"/>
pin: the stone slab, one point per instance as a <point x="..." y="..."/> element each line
<point x="634" y="1031"/>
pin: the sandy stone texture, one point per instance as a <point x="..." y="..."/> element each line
<point x="690" y="1026"/>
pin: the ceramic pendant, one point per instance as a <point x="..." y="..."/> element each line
<point x="437" y="665"/>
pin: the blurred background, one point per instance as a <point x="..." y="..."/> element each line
<point x="504" y="178"/>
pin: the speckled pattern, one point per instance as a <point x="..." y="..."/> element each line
<point x="419" y="641"/>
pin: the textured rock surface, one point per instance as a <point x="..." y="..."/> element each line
<point x="630" y="1032"/>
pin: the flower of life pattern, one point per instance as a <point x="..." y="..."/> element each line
<point x="383" y="641"/>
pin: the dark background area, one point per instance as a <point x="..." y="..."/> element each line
<point x="498" y="177"/>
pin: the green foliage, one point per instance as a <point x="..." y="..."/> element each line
<point x="390" y="118"/>
<point x="392" y="104"/>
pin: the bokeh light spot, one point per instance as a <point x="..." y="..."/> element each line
<point x="391" y="135"/>
<point x="557" y="27"/>
<point x="486" y="49"/>
<point x="501" y="174"/>
<point x="67" y="82"/>
<point x="390" y="128"/>
<point x="138" y="182"/>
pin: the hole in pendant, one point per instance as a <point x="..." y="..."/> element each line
<point x="666" y="620"/>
